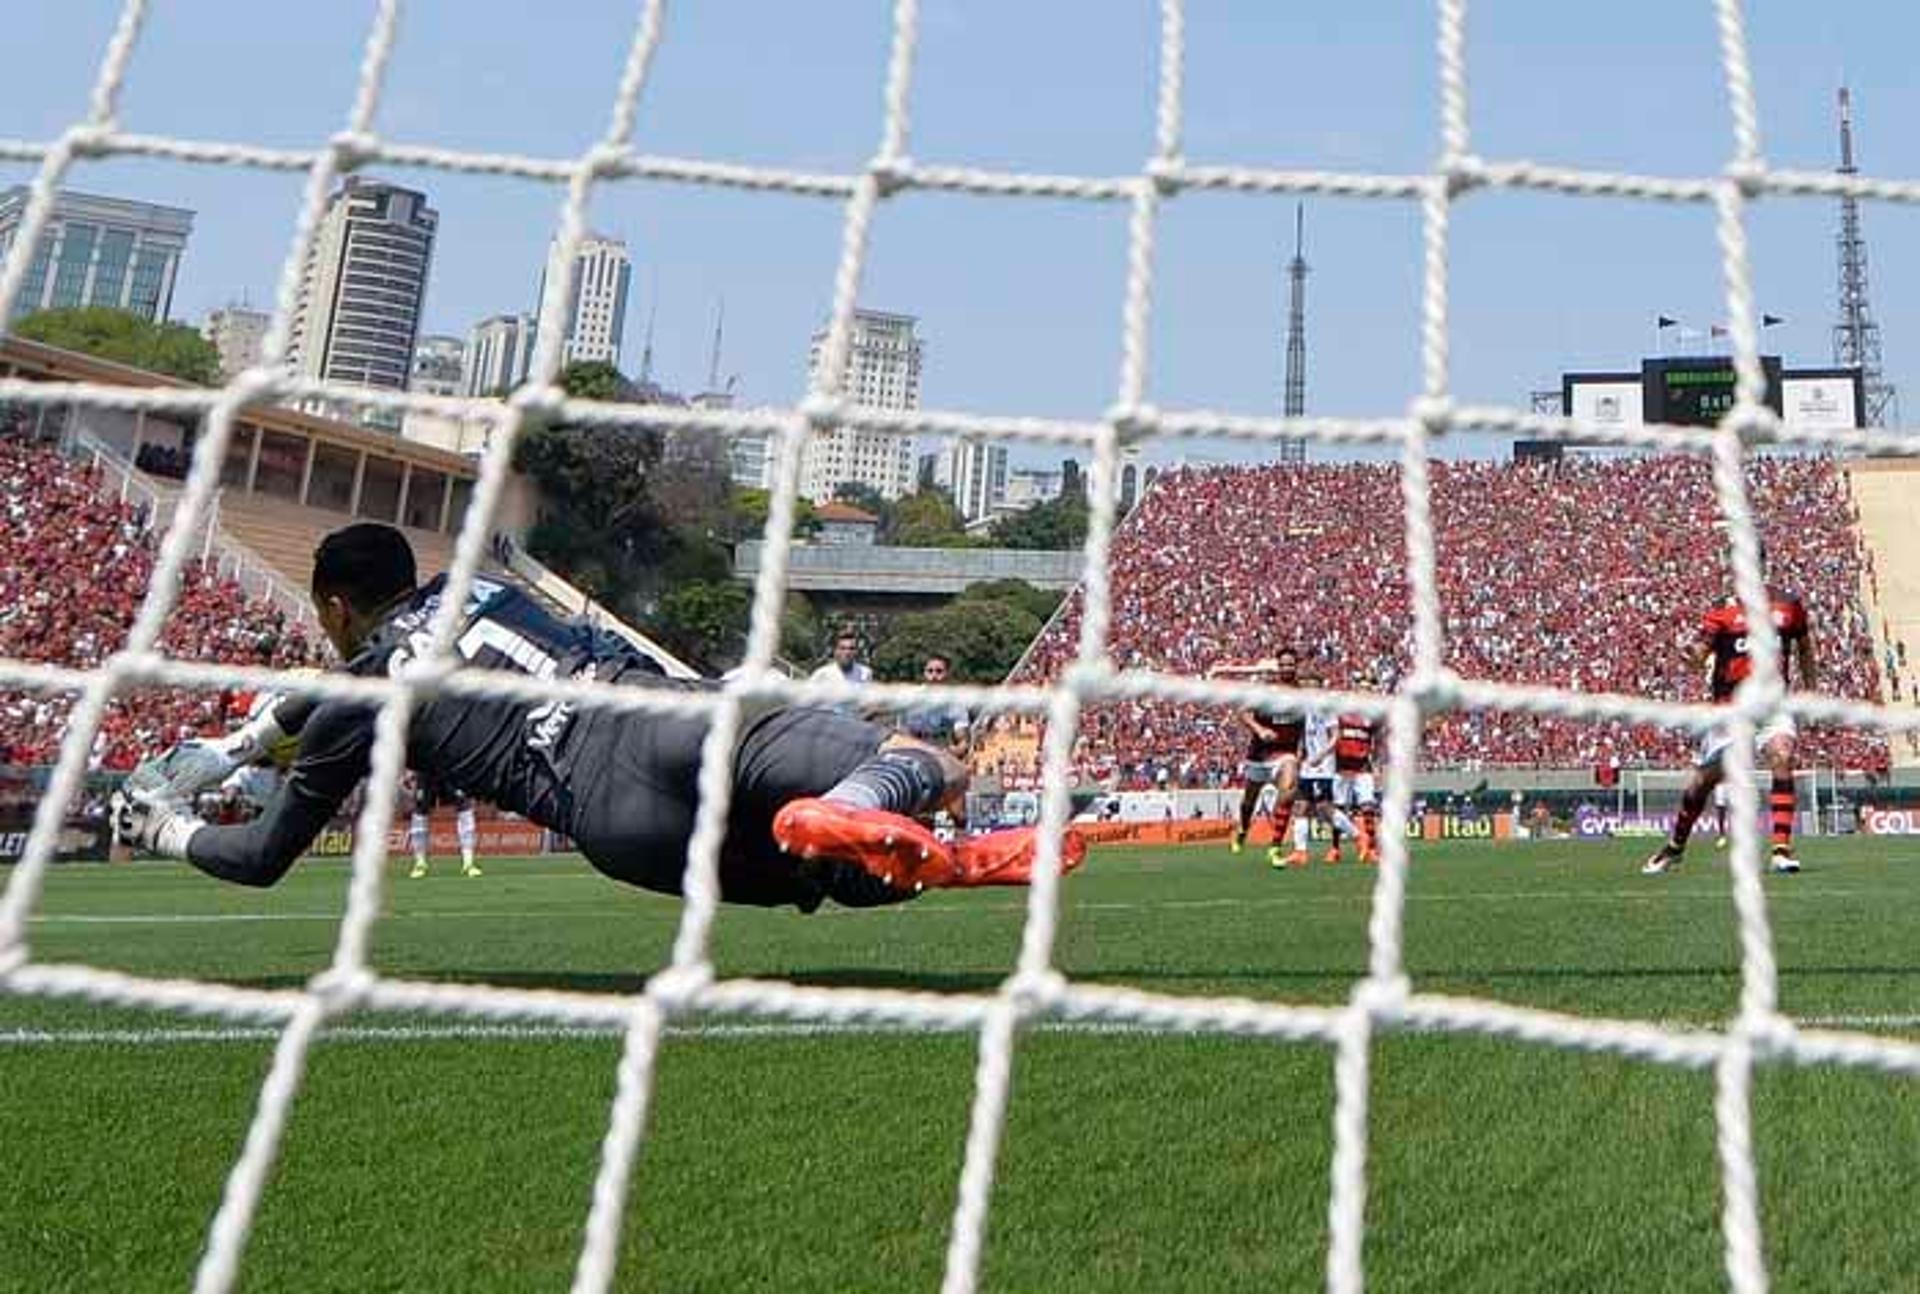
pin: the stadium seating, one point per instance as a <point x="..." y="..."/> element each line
<point x="73" y="569"/>
<point x="1588" y="574"/>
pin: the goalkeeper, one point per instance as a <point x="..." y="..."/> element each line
<point x="824" y="806"/>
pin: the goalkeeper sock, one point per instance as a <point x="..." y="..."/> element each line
<point x="901" y="779"/>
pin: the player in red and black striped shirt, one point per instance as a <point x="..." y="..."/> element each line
<point x="1273" y="747"/>
<point x="1723" y="640"/>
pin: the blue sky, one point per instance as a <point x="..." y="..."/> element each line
<point x="1020" y="300"/>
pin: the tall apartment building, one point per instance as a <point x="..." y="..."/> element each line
<point x="596" y="316"/>
<point x="357" y="316"/>
<point x="883" y="372"/>
<point x="499" y="354"/>
<point x="439" y="366"/>
<point x="99" y="251"/>
<point x="238" y="333"/>
<point x="977" y="475"/>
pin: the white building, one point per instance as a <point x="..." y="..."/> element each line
<point x="357" y="315"/>
<point x="499" y="354"/>
<point x="238" y="333"/>
<point x="1027" y="486"/>
<point x="596" y="314"/>
<point x="439" y="365"/>
<point x="977" y="475"/>
<point x="98" y="251"/>
<point x="883" y="372"/>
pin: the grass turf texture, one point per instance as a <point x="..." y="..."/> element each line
<point x="829" y="1162"/>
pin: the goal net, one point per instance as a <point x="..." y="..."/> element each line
<point x="1383" y="1001"/>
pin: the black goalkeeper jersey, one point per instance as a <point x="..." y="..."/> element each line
<point x="523" y="756"/>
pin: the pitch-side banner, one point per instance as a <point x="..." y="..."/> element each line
<point x="493" y="837"/>
<point x="1890" y="822"/>
<point x="1432" y="826"/>
<point x="80" y="840"/>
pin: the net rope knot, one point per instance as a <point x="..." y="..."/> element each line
<point x="677" y="989"/>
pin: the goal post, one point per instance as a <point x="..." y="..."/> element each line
<point x="1383" y="1000"/>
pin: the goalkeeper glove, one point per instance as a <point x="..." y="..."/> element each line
<point x="183" y="772"/>
<point x="156" y="824"/>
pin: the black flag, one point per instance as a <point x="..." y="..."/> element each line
<point x="1662" y="321"/>
<point x="1768" y="321"/>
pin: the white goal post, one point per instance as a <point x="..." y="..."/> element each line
<point x="1384" y="1000"/>
<point x="1823" y="799"/>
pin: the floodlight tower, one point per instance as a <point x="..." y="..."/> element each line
<point x="1294" y="448"/>
<point x="1856" y="337"/>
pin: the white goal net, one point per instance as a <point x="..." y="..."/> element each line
<point x="1383" y="1001"/>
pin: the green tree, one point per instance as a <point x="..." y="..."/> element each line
<point x="801" y="632"/>
<point x="1036" y="602"/>
<point x="600" y="524"/>
<point x="749" y="515"/>
<point x="595" y="380"/>
<point x="1058" y="524"/>
<point x="126" y="339"/>
<point x="925" y="519"/>
<point x="704" y="621"/>
<point x="865" y="497"/>
<point x="984" y="639"/>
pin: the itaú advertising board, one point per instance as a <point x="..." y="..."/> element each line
<point x="1890" y="822"/>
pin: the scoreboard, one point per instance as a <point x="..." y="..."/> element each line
<point x="1697" y="391"/>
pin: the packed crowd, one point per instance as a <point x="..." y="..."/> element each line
<point x="73" y="569"/>
<point x="1587" y="574"/>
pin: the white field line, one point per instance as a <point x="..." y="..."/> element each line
<point x="420" y="1033"/>
<point x="1788" y="892"/>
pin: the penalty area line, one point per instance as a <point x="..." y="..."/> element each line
<point x="712" y="1031"/>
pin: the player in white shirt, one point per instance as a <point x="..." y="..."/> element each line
<point x="1316" y="788"/>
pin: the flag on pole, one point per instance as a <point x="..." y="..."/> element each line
<point x="1664" y="321"/>
<point x="1768" y="321"/>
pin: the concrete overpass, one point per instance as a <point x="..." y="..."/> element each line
<point x="857" y="574"/>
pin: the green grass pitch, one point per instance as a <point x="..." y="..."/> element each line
<point x="784" y="1159"/>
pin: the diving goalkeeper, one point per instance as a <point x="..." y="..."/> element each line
<point x="824" y="806"/>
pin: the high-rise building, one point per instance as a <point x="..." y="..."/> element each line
<point x="596" y="315"/>
<point x="238" y="333"/>
<point x="357" y="316"/>
<point x="977" y="475"/>
<point x="99" y="251"/>
<point x="499" y="355"/>
<point x="439" y="366"/>
<point x="883" y="372"/>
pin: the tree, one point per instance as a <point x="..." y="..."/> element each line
<point x="864" y="497"/>
<point x="595" y="380"/>
<point x="601" y="525"/>
<point x="126" y="338"/>
<point x="984" y="638"/>
<point x="693" y="484"/>
<point x="749" y="515"/>
<point x="1036" y="602"/>
<point x="704" y="621"/>
<point x="926" y="519"/>
<point x="1058" y="524"/>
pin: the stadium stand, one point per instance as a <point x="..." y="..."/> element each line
<point x="1586" y="574"/>
<point x="74" y="566"/>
